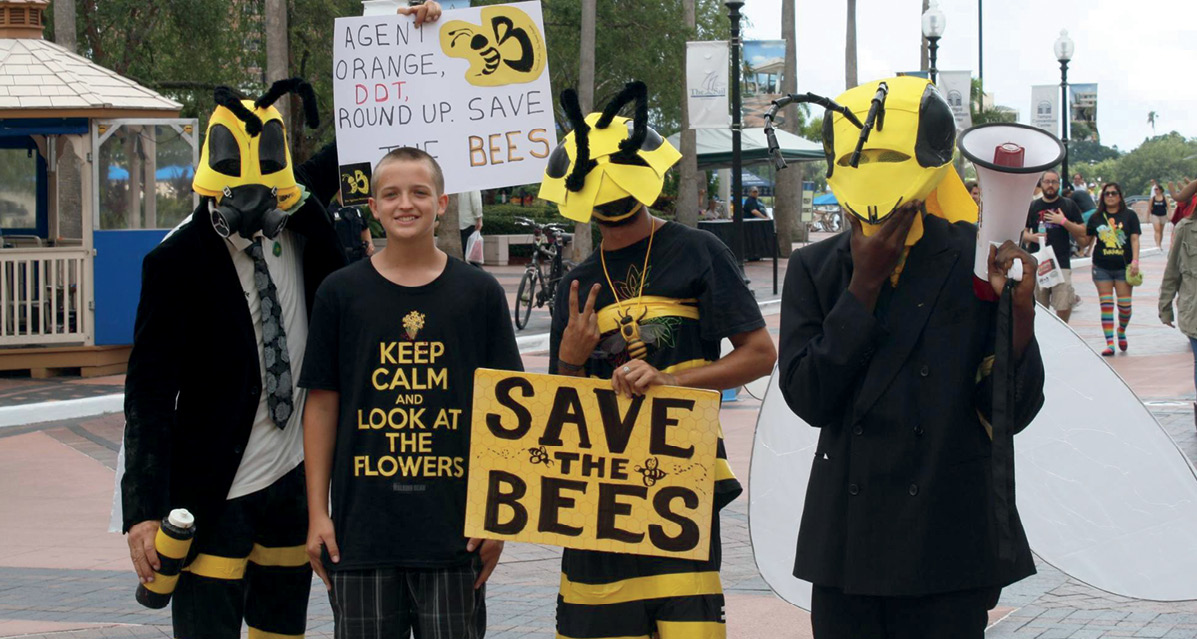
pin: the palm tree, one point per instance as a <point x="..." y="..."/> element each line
<point x="1151" y="115"/>
<point x="687" y="188"/>
<point x="582" y="243"/>
<point x="787" y="201"/>
<point x="850" y="48"/>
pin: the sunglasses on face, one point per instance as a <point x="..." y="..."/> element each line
<point x="1109" y="193"/>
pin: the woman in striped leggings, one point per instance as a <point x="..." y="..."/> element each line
<point x="1116" y="229"/>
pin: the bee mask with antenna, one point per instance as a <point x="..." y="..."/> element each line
<point x="901" y="153"/>
<point x="608" y="165"/>
<point x="245" y="164"/>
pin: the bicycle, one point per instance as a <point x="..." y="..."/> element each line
<point x="545" y="269"/>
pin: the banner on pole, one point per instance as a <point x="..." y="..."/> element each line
<point x="1045" y="107"/>
<point x="956" y="87"/>
<point x="565" y="461"/>
<point x="764" y="72"/>
<point x="1082" y="101"/>
<point x="706" y="85"/>
<point x="471" y="89"/>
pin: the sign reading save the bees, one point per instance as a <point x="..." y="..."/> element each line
<point x="565" y="461"/>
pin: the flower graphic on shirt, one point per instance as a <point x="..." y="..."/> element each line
<point x="412" y="323"/>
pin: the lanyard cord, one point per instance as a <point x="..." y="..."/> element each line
<point x="643" y="271"/>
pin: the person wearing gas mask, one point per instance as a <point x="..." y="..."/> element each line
<point x="212" y="411"/>
<point x="892" y="348"/>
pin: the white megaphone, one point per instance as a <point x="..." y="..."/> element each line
<point x="1009" y="159"/>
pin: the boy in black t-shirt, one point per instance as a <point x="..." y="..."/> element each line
<point x="388" y="420"/>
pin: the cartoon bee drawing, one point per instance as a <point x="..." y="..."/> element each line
<point x="632" y="337"/>
<point x="506" y="48"/>
<point x="358" y="183"/>
<point x="650" y="472"/>
<point x="539" y="456"/>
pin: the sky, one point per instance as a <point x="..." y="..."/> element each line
<point x="1138" y="53"/>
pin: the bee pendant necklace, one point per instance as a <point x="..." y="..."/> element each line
<point x="629" y="326"/>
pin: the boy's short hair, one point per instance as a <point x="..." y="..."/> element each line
<point x="410" y="154"/>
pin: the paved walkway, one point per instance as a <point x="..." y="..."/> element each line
<point x="61" y="576"/>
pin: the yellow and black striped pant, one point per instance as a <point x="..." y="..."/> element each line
<point x="249" y="564"/>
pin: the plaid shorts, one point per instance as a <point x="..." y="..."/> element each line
<point x="389" y="603"/>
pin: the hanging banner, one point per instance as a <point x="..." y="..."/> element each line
<point x="1045" y="108"/>
<point x="706" y="85"/>
<point x="471" y="89"/>
<point x="764" y="71"/>
<point x="956" y="87"/>
<point x="1082" y="101"/>
<point x="565" y="461"/>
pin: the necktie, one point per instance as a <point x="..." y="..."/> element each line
<point x="274" y="340"/>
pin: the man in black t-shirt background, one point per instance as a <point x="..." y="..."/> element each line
<point x="1055" y="219"/>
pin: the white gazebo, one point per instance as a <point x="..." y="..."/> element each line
<point x="93" y="168"/>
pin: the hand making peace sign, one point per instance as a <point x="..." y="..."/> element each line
<point x="582" y="333"/>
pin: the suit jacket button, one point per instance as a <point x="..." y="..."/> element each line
<point x="925" y="370"/>
<point x="853" y="489"/>
<point x="254" y="390"/>
<point x="914" y="489"/>
<point x="238" y="449"/>
<point x="918" y="430"/>
<point x="857" y="430"/>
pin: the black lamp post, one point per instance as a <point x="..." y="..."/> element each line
<point x="1064" y="48"/>
<point x="733" y="14"/>
<point x="933" y="26"/>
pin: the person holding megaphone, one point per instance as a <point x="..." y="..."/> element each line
<point x="911" y="349"/>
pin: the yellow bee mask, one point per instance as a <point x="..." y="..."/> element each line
<point x="245" y="164"/>
<point x="606" y="159"/>
<point x="902" y="152"/>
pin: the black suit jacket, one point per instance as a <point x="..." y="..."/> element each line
<point x="194" y="382"/>
<point x="900" y="500"/>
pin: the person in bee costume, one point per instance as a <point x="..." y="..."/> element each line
<point x="917" y="376"/>
<point x="213" y="414"/>
<point x="648" y="308"/>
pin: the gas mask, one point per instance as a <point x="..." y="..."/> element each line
<point x="900" y="153"/>
<point x="245" y="165"/>
<point x="606" y="159"/>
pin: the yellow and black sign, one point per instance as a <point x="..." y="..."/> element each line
<point x="355" y="183"/>
<point x="565" y="461"/>
<point x="507" y="48"/>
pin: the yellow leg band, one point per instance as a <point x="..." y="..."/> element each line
<point x="289" y="556"/>
<point x="641" y="588"/>
<point x="229" y="568"/>
<point x="254" y="633"/>
<point x="691" y="630"/>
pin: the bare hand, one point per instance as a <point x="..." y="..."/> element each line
<point x="581" y="333"/>
<point x="1000" y="260"/>
<point x="1134" y="268"/>
<point x="874" y="258"/>
<point x="637" y="376"/>
<point x="322" y="535"/>
<point x="142" y="551"/>
<point x="489" y="552"/>
<point x="428" y="12"/>
<point x="1054" y="217"/>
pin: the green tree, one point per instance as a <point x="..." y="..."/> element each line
<point x="1163" y="158"/>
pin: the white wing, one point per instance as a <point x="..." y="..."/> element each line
<point x="1104" y="493"/>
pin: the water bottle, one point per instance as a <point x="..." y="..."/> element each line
<point x="172" y="543"/>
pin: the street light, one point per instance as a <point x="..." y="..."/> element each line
<point x="933" y="26"/>
<point x="1064" y="48"/>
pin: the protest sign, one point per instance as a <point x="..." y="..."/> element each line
<point x="565" y="461"/>
<point x="471" y="89"/>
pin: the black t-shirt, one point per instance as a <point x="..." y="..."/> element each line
<point x="752" y="204"/>
<point x="1112" y="248"/>
<point x="1083" y="200"/>
<point x="1058" y="237"/>
<point x="403" y="360"/>
<point x="693" y="297"/>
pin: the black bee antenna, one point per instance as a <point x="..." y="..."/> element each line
<point x="637" y="91"/>
<point x="293" y="85"/>
<point x="230" y="99"/>
<point x="582" y="162"/>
